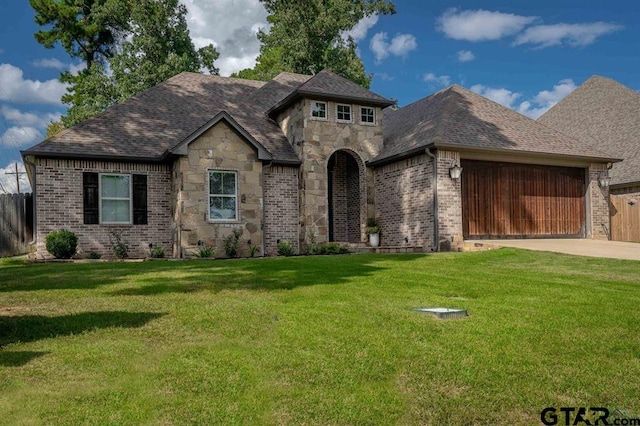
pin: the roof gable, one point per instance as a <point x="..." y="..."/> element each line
<point x="606" y="114"/>
<point x="459" y="118"/>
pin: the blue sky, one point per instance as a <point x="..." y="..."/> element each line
<point x="525" y="55"/>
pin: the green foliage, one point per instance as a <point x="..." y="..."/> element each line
<point x="93" y="255"/>
<point x="307" y="37"/>
<point x="331" y="248"/>
<point x="232" y="242"/>
<point x="87" y="29"/>
<point x="285" y="248"/>
<point x="119" y="247"/>
<point x="153" y="45"/>
<point x="62" y="244"/>
<point x="372" y="226"/>
<point x="53" y="128"/>
<point x="206" y="252"/>
<point x="157" y="252"/>
<point x="253" y="250"/>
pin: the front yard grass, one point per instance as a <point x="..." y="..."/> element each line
<point x="318" y="340"/>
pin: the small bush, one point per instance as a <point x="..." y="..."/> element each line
<point x="253" y="250"/>
<point x="119" y="247"/>
<point x="331" y="248"/>
<point x="285" y="248"/>
<point x="231" y="243"/>
<point x="206" y="252"/>
<point x="62" y="244"/>
<point x="93" y="255"/>
<point x="157" y="252"/>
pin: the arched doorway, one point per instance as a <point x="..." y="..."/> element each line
<point x="346" y="196"/>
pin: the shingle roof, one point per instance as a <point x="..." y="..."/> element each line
<point x="329" y="85"/>
<point x="148" y="125"/>
<point x="457" y="117"/>
<point x="606" y="114"/>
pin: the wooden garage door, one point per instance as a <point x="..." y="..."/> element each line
<point x="506" y="200"/>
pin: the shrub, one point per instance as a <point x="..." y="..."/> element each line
<point x="285" y="248"/>
<point x="62" y="244"/>
<point x="372" y="226"/>
<point x="119" y="247"/>
<point x="231" y="243"/>
<point x="332" y="248"/>
<point x="206" y="252"/>
<point x="93" y="255"/>
<point x="253" y="250"/>
<point x="157" y="252"/>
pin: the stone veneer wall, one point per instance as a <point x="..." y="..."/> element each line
<point x="219" y="148"/>
<point x="315" y="141"/>
<point x="280" y="207"/>
<point x="59" y="205"/>
<point x="598" y="204"/>
<point x="404" y="202"/>
<point x="449" y="202"/>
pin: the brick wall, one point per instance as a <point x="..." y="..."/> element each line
<point x="59" y="198"/>
<point x="449" y="202"/>
<point x="404" y="202"/>
<point x="280" y="207"/>
<point x="346" y="198"/>
<point x="598" y="204"/>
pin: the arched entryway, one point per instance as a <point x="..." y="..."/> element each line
<point x="347" y="198"/>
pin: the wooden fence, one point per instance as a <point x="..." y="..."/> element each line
<point x="625" y="219"/>
<point x="16" y="224"/>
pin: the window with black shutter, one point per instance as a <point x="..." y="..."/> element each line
<point x="90" y="199"/>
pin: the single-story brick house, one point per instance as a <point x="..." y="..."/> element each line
<point x="303" y="157"/>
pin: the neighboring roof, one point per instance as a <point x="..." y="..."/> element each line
<point x="147" y="126"/>
<point x="606" y="114"/>
<point x="329" y="85"/>
<point x="459" y="118"/>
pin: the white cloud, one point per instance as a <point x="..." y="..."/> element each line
<point x="231" y="26"/>
<point x="18" y="137"/>
<point x="442" y="80"/>
<point x="8" y="181"/>
<point x="15" y="88"/>
<point x="465" y="56"/>
<point x="532" y="108"/>
<point x="500" y="95"/>
<point x="479" y="25"/>
<point x="384" y="76"/>
<point x="29" y="119"/>
<point x="76" y="68"/>
<point x="50" y="63"/>
<point x="575" y="35"/>
<point x="360" y="30"/>
<point x="400" y="45"/>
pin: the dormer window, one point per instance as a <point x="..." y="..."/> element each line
<point x="319" y="110"/>
<point x="343" y="113"/>
<point x="367" y="115"/>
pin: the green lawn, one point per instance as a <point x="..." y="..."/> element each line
<point x="318" y="340"/>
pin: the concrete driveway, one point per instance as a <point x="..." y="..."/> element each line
<point x="580" y="247"/>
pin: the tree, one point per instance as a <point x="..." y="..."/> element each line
<point x="87" y="29"/>
<point x="153" y="45"/>
<point x="306" y="37"/>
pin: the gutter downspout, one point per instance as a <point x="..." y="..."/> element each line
<point x="434" y="185"/>
<point x="265" y="166"/>
<point x="34" y="238"/>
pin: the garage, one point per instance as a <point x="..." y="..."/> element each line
<point x="508" y="200"/>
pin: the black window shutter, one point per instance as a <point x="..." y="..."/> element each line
<point x="90" y="200"/>
<point x="139" y="199"/>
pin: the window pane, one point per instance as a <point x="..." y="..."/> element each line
<point x="319" y="109"/>
<point x="115" y="186"/>
<point x="229" y="184"/>
<point x="116" y="211"/>
<point x="367" y="115"/>
<point x="222" y="208"/>
<point x="215" y="183"/>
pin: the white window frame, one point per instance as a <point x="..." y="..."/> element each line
<point x="367" y="123"/>
<point x="114" y="198"/>
<point x="339" y="120"/>
<point x="209" y="195"/>
<point x="326" y="110"/>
